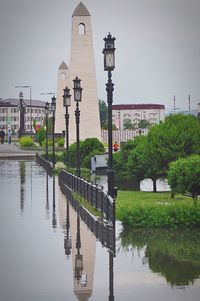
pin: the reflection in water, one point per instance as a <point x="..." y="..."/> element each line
<point x="83" y="244"/>
<point x="47" y="197"/>
<point x="67" y="237"/>
<point x="79" y="257"/>
<point x="111" y="277"/>
<point x="22" y="170"/>
<point x="173" y="253"/>
<point x="83" y="256"/>
<point x="54" y="220"/>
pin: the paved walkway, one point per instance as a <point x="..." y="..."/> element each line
<point x="8" y="151"/>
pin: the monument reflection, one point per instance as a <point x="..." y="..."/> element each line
<point x="81" y="230"/>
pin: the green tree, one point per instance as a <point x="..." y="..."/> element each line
<point x="184" y="175"/>
<point x="103" y="110"/>
<point x="120" y="160"/>
<point x="137" y="158"/>
<point x="143" y="124"/>
<point x="105" y="126"/>
<point x="127" y="124"/>
<point x="88" y="148"/>
<point x="198" y="116"/>
<point x="177" y="137"/>
<point x="41" y="135"/>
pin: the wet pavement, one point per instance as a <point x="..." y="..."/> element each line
<point x="12" y="151"/>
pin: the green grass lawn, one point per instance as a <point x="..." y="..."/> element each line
<point x="141" y="196"/>
<point x="148" y="209"/>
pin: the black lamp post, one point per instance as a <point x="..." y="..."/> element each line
<point x="77" y="97"/>
<point x="109" y="65"/>
<point x="67" y="104"/>
<point x="46" y="111"/>
<point x="53" y="109"/>
<point x="22" y="108"/>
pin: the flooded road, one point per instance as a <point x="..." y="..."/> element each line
<point x="49" y="253"/>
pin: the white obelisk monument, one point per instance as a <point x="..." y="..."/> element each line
<point x="82" y="64"/>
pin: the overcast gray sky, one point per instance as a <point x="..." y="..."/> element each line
<point x="157" y="47"/>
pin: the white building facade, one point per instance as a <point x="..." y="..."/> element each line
<point x="10" y="114"/>
<point x="153" y="113"/>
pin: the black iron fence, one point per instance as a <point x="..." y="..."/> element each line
<point x="102" y="231"/>
<point x="45" y="164"/>
<point x="90" y="192"/>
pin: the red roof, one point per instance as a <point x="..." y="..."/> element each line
<point x="137" y="107"/>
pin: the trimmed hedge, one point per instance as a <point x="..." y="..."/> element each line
<point x="156" y="214"/>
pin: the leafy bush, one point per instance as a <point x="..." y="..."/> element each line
<point x="59" y="156"/>
<point x="26" y="141"/>
<point x="88" y="148"/>
<point x="50" y="143"/>
<point x="161" y="212"/>
<point x="59" y="165"/>
<point x="41" y="135"/>
<point x="60" y="141"/>
<point x="184" y="175"/>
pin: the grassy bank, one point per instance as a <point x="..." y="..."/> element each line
<point x="147" y="209"/>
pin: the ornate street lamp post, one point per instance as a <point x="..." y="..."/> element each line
<point x="77" y="97"/>
<point x="67" y="104"/>
<point x="109" y="65"/>
<point x="22" y="108"/>
<point x="53" y="109"/>
<point x="46" y="111"/>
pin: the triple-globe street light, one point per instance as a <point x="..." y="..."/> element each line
<point x="77" y="97"/>
<point x="109" y="65"/>
<point x="53" y="109"/>
<point x="46" y="111"/>
<point x="66" y="105"/>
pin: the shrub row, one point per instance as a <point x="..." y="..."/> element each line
<point x="176" y="214"/>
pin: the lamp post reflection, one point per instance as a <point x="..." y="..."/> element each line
<point x="47" y="196"/>
<point x="67" y="238"/>
<point x="54" y="220"/>
<point x="78" y="257"/>
<point x="111" y="277"/>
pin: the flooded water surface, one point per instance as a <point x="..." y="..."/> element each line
<point x="51" y="250"/>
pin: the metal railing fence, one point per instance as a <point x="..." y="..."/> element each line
<point x="91" y="193"/>
<point x="103" y="232"/>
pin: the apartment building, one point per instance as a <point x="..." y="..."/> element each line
<point x="10" y="115"/>
<point x="153" y="113"/>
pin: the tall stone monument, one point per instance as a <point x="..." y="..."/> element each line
<point x="82" y="64"/>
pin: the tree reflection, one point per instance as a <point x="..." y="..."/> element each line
<point x="173" y="253"/>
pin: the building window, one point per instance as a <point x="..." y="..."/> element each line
<point x="81" y="29"/>
<point x="63" y="76"/>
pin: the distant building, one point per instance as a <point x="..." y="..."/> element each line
<point x="153" y="113"/>
<point x="10" y="115"/>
